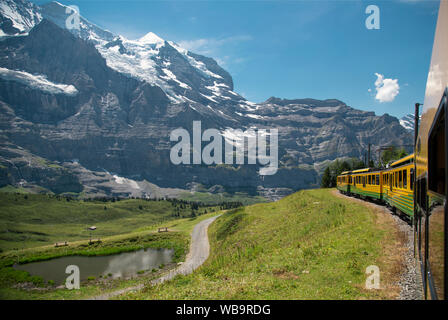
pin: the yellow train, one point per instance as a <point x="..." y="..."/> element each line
<point x="393" y="186"/>
<point x="416" y="185"/>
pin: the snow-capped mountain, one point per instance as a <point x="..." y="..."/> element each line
<point x="408" y="122"/>
<point x="111" y="103"/>
<point x="184" y="76"/>
<point x="17" y="17"/>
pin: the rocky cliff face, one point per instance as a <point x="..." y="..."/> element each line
<point x="93" y="100"/>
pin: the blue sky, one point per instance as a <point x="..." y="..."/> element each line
<point x="294" y="49"/>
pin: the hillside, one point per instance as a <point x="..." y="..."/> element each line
<point x="34" y="220"/>
<point x="309" y="245"/>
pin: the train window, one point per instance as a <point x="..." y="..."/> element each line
<point x="405" y="179"/>
<point x="364" y="181"/>
<point x="396" y="179"/>
<point x="370" y="179"/>
<point x="391" y="179"/>
<point x="436" y="150"/>
<point x="377" y="179"/>
<point x="400" y="179"/>
<point x="412" y="179"/>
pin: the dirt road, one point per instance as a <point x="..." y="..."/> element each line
<point x="199" y="252"/>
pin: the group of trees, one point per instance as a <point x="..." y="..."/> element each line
<point x="195" y="207"/>
<point x="337" y="167"/>
<point x="392" y="154"/>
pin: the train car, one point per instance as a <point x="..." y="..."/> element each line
<point x="417" y="185"/>
<point x="398" y="185"/>
<point x="431" y="147"/>
<point x="367" y="183"/>
<point x="343" y="182"/>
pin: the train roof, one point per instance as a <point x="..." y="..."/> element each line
<point x="403" y="160"/>
<point x="345" y="172"/>
<point x="361" y="170"/>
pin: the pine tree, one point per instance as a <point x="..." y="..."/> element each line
<point x="326" y="178"/>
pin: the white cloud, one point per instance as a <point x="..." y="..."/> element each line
<point x="386" y="89"/>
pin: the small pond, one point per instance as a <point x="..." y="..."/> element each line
<point x="120" y="265"/>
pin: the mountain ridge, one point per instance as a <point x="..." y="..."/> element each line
<point x="120" y="123"/>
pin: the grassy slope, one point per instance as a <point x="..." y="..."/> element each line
<point x="35" y="220"/>
<point x="310" y="245"/>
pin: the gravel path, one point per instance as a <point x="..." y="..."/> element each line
<point x="199" y="252"/>
<point x="410" y="279"/>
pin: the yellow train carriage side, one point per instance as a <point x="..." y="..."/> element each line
<point x="367" y="183"/>
<point x="398" y="185"/>
<point x="431" y="157"/>
<point x="343" y="182"/>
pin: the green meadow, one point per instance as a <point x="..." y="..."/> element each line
<point x="309" y="245"/>
<point x="31" y="220"/>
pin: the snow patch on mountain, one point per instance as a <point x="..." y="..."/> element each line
<point x="39" y="82"/>
<point x="19" y="16"/>
<point x="131" y="183"/>
<point x="407" y="122"/>
<point x="149" y="58"/>
<point x="151" y="38"/>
